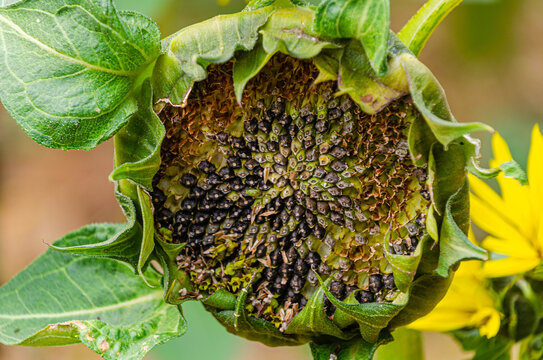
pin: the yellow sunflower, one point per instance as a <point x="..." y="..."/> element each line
<point x="513" y="221"/>
<point x="468" y="303"/>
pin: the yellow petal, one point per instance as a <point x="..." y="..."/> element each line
<point x="514" y="247"/>
<point x="487" y="218"/>
<point x="516" y="196"/>
<point x="488" y="321"/>
<point x="535" y="171"/>
<point x="508" y="266"/>
<point x="500" y="149"/>
<point x="484" y="192"/>
<point x="443" y="320"/>
<point x="540" y="230"/>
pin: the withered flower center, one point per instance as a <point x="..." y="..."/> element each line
<point x="294" y="183"/>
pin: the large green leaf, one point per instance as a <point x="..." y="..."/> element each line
<point x="365" y="20"/>
<point x="191" y="50"/>
<point x="137" y="145"/>
<point x="61" y="299"/>
<point x="67" y="68"/>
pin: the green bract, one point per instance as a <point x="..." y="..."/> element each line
<point x="75" y="72"/>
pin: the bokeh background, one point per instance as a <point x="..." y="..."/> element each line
<point x="488" y="55"/>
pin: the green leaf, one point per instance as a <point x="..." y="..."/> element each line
<point x="365" y="20"/>
<point x="424" y="294"/>
<point x="173" y="280"/>
<point x="523" y="318"/>
<point x="290" y="31"/>
<point x="257" y="4"/>
<point x="116" y="241"/>
<point x="421" y="26"/>
<point x="61" y="299"/>
<point x="496" y="348"/>
<point x="221" y="299"/>
<point x="307" y="3"/>
<point x="313" y="320"/>
<point x="352" y="350"/>
<point x="191" y="50"/>
<point x="358" y="79"/>
<point x="148" y="236"/>
<point x="510" y="169"/>
<point x="137" y="145"/>
<point x="532" y="348"/>
<point x="429" y="98"/>
<point x="453" y="242"/>
<point x="328" y="64"/>
<point x="446" y="174"/>
<point x="420" y="140"/>
<point x="252" y="328"/>
<point x="372" y="318"/>
<point x="257" y="330"/>
<point x="450" y="196"/>
<point x="404" y="267"/>
<point x="67" y="70"/>
<point x="287" y="31"/>
<point x="248" y="65"/>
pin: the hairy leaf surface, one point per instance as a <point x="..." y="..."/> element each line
<point x="61" y="299"/>
<point x="89" y="56"/>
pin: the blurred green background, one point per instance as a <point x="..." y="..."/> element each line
<point x="488" y="56"/>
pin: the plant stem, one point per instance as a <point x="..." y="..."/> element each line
<point x="407" y="345"/>
<point x="421" y="26"/>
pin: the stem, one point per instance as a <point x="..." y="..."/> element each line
<point x="421" y="26"/>
<point x="407" y="345"/>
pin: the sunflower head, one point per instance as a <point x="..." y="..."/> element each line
<point x="306" y="196"/>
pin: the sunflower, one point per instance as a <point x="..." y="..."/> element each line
<point x="514" y="220"/>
